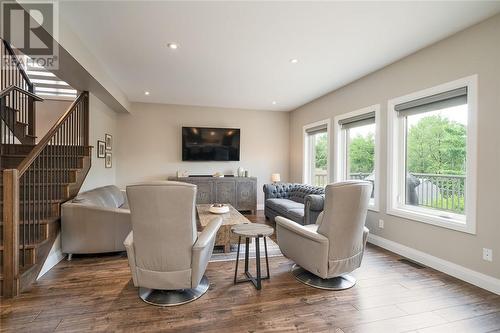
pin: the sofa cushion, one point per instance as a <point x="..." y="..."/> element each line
<point x="296" y="215"/>
<point x="282" y="206"/>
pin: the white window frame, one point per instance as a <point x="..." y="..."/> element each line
<point x="396" y="162"/>
<point x="306" y="165"/>
<point x="340" y="156"/>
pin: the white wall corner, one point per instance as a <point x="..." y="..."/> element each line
<point x="465" y="274"/>
<point x="260" y="206"/>
<point x="54" y="257"/>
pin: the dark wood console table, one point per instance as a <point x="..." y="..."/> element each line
<point x="240" y="192"/>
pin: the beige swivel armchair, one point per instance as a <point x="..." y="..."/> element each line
<point x="167" y="256"/>
<point x="326" y="252"/>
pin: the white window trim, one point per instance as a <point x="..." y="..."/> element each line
<point x="396" y="157"/>
<point x="305" y="151"/>
<point x="340" y="163"/>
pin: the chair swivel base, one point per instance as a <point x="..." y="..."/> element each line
<point x="173" y="297"/>
<point x="337" y="283"/>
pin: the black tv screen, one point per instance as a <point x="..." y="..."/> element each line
<point x="210" y="144"/>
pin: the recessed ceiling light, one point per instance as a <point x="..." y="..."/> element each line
<point x="173" y="46"/>
<point x="146" y="93"/>
<point x="294" y="60"/>
<point x="274" y="102"/>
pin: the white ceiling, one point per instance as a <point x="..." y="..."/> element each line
<point x="236" y="54"/>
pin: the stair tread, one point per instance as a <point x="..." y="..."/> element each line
<point x="29" y="246"/>
<point x="54" y="201"/>
<point x="54" y="169"/>
<point x="58" y="155"/>
<point x="51" y="183"/>
<point x="43" y="221"/>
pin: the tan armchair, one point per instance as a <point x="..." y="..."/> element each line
<point x="167" y="256"/>
<point x="326" y="252"/>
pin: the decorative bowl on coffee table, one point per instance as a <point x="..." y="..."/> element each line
<point x="219" y="209"/>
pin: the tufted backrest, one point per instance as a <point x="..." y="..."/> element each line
<point x="295" y="192"/>
<point x="279" y="190"/>
<point x="343" y="219"/>
<point x="299" y="192"/>
<point x="164" y="224"/>
<point x="107" y="197"/>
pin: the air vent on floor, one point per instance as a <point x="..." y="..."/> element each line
<point x="411" y="263"/>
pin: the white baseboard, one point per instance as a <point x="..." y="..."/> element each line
<point x="54" y="257"/>
<point x="468" y="275"/>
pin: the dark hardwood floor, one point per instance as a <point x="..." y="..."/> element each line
<point x="95" y="293"/>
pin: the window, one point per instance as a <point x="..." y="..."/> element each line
<point x="357" y="148"/>
<point x="432" y="155"/>
<point x="316" y="153"/>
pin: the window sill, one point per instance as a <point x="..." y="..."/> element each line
<point x="423" y="217"/>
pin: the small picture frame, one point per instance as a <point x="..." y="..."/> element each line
<point x="108" y="162"/>
<point x="108" y="138"/>
<point x="101" y="149"/>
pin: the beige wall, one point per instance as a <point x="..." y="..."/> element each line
<point x="47" y="113"/>
<point x="150" y="142"/>
<point x="473" y="51"/>
<point x="102" y="120"/>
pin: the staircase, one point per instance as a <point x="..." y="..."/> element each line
<point x="35" y="178"/>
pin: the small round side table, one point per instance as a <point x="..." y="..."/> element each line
<point x="257" y="231"/>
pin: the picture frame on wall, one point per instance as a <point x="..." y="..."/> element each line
<point x="101" y="149"/>
<point x="108" y="138"/>
<point x="108" y="163"/>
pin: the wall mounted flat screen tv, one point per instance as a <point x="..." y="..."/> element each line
<point x="210" y="144"/>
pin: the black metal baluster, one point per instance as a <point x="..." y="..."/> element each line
<point x="23" y="220"/>
<point x="38" y="201"/>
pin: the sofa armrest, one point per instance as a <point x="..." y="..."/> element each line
<point x="125" y="200"/>
<point x="314" y="202"/>
<point x="269" y="191"/>
<point x="313" y="206"/>
<point x="202" y="250"/>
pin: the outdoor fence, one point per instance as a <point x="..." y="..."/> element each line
<point x="443" y="192"/>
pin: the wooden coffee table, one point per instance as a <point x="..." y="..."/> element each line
<point x="224" y="236"/>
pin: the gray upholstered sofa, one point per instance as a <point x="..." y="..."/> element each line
<point x="297" y="202"/>
<point x="96" y="221"/>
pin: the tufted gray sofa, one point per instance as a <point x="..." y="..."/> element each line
<point x="297" y="202"/>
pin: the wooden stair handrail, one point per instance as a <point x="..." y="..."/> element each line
<point x="7" y="90"/>
<point x="28" y="160"/>
<point x="18" y="64"/>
